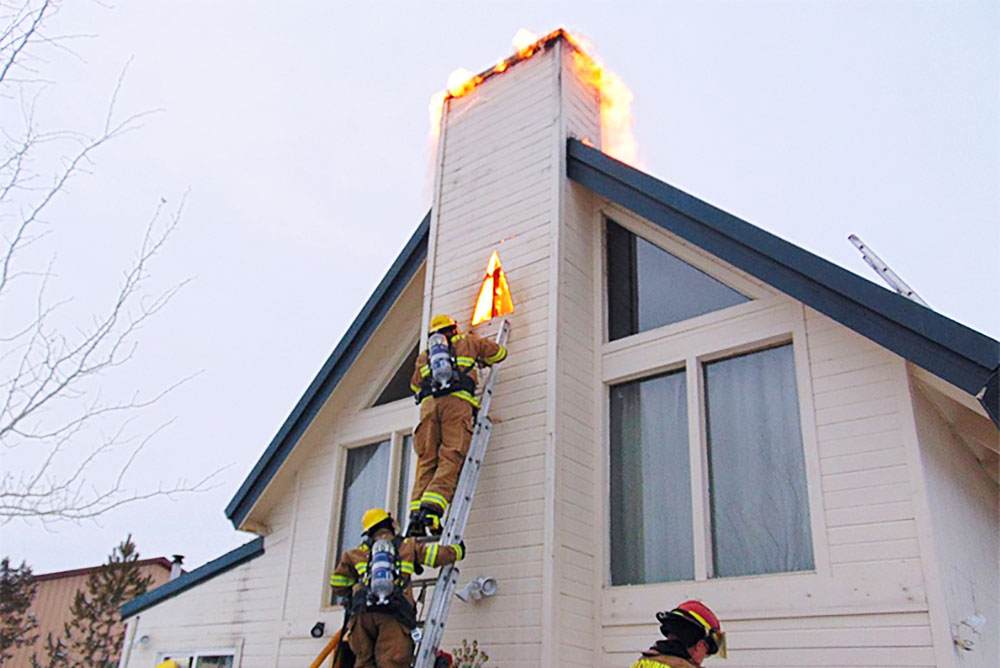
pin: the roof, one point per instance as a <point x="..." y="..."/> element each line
<point x="229" y="560"/>
<point x="957" y="354"/>
<point x="75" y="572"/>
<point x="325" y="382"/>
<point x="960" y="355"/>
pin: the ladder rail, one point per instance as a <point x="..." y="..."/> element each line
<point x="458" y="516"/>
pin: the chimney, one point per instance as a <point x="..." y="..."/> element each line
<point x="500" y="184"/>
<point x="175" y="566"/>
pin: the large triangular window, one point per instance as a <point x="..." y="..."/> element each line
<point x="398" y="386"/>
<point x="648" y="287"/>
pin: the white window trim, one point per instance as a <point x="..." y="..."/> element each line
<point x="769" y="319"/>
<point x="235" y="652"/>
<point x="391" y="422"/>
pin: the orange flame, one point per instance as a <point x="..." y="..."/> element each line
<point x="617" y="137"/>
<point x="494" y="294"/>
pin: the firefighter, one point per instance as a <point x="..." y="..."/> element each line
<point x="691" y="633"/>
<point x="373" y="581"/>
<point x="444" y="384"/>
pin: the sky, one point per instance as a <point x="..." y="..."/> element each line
<point x="298" y="132"/>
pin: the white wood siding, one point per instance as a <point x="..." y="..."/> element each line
<point x="576" y="539"/>
<point x="499" y="166"/>
<point x="868" y="583"/>
<point x="964" y="504"/>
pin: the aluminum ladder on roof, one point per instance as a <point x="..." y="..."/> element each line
<point x="454" y="524"/>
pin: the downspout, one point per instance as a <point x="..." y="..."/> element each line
<point x="131" y="627"/>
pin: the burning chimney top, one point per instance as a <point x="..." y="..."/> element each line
<point x="460" y="88"/>
<point x="617" y="138"/>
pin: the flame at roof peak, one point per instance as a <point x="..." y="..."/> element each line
<point x="617" y="138"/>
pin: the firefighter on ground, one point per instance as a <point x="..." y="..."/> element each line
<point x="444" y="383"/>
<point x="373" y="580"/>
<point x="691" y="632"/>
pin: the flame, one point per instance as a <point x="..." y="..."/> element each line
<point x="525" y="43"/>
<point x="494" y="294"/>
<point x="617" y="137"/>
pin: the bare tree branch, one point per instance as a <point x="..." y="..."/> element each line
<point x="75" y="444"/>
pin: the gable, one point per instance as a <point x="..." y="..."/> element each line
<point x="403" y="269"/>
<point x="957" y="354"/>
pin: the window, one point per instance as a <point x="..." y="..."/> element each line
<point x="210" y="659"/>
<point x="398" y="386"/>
<point x="760" y="507"/>
<point x="648" y="287"/>
<point x="371" y="480"/>
<point x="651" y="535"/>
<point x="756" y="519"/>
<point x="365" y="482"/>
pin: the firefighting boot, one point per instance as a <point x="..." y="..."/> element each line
<point x="432" y="518"/>
<point x="415" y="526"/>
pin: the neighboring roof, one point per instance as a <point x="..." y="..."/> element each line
<point x="72" y="573"/>
<point x="232" y="559"/>
<point x="960" y="355"/>
<point x="343" y="356"/>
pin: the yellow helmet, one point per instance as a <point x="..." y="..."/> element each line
<point x="372" y="517"/>
<point x="442" y="321"/>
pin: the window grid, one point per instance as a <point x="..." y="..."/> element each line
<point x="694" y="361"/>
<point x="397" y="485"/>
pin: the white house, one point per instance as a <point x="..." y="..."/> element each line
<point x="692" y="408"/>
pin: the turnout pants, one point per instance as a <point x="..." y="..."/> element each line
<point x="379" y="640"/>
<point x="441" y="441"/>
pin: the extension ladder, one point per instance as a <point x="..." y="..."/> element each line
<point x="454" y="524"/>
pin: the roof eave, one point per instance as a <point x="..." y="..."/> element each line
<point x="218" y="566"/>
<point x="960" y="355"/>
<point x="389" y="288"/>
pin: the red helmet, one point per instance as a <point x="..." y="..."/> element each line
<point x="698" y="614"/>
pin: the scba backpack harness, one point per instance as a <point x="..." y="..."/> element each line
<point x="384" y="578"/>
<point x="446" y="374"/>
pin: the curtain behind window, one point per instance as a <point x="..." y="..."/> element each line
<point x="760" y="508"/>
<point x="364" y="488"/>
<point x="651" y="537"/>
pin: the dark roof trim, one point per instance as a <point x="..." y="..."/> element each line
<point x="229" y="560"/>
<point x="960" y="355"/>
<point x="343" y="356"/>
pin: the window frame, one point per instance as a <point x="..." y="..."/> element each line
<point x="396" y="435"/>
<point x="769" y="319"/>
<point x="234" y="652"/>
<point x="413" y="339"/>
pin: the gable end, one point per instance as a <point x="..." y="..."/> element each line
<point x="322" y="386"/>
<point x="949" y="350"/>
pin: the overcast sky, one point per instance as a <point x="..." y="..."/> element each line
<point x="300" y="130"/>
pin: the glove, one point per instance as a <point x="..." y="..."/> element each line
<point x="461" y="554"/>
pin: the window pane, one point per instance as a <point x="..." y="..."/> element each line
<point x="650" y="482"/>
<point x="405" y="466"/>
<point x="648" y="287"/>
<point x="760" y="508"/>
<point x="398" y="386"/>
<point x="364" y="487"/>
<point x="215" y="661"/>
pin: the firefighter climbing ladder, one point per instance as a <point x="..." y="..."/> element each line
<point x="454" y="525"/>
